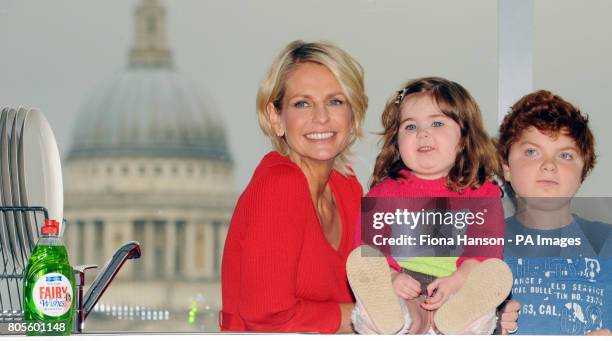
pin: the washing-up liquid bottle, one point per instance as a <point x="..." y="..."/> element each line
<point x="48" y="294"/>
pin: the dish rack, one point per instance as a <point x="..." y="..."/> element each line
<point x="18" y="235"/>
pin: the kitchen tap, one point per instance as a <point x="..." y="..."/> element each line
<point x="85" y="303"/>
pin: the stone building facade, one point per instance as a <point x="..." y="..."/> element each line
<point x="150" y="163"/>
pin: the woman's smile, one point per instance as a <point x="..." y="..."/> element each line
<point x="321" y="137"/>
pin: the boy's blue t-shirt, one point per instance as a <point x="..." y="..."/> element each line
<point x="606" y="249"/>
<point x="562" y="290"/>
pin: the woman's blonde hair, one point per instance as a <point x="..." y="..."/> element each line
<point x="476" y="160"/>
<point x="347" y="71"/>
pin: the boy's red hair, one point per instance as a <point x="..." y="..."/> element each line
<point x="550" y="114"/>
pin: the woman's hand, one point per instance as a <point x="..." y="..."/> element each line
<point x="441" y="289"/>
<point x="509" y="317"/>
<point x="405" y="286"/>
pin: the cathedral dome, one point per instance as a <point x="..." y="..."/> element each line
<point x="148" y="109"/>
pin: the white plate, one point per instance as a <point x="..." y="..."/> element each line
<point x="7" y="197"/>
<point x="30" y="228"/>
<point x="2" y="123"/>
<point x="4" y="239"/>
<point x="42" y="169"/>
<point x="14" y="144"/>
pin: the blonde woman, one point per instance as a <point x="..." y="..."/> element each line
<point x="293" y="226"/>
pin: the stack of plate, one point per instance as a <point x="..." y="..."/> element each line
<point x="30" y="176"/>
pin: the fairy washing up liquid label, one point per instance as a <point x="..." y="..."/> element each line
<point x="53" y="294"/>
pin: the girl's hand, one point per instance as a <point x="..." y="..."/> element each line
<point x="441" y="289"/>
<point x="405" y="286"/>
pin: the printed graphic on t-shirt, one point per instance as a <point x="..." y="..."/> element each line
<point x="568" y="296"/>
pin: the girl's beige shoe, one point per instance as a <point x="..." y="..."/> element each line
<point x="485" y="288"/>
<point x="370" y="279"/>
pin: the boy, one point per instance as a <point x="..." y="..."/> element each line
<point x="547" y="150"/>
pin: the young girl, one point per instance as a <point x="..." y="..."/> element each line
<point x="434" y="146"/>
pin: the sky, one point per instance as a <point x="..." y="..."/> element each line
<point x="54" y="53"/>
